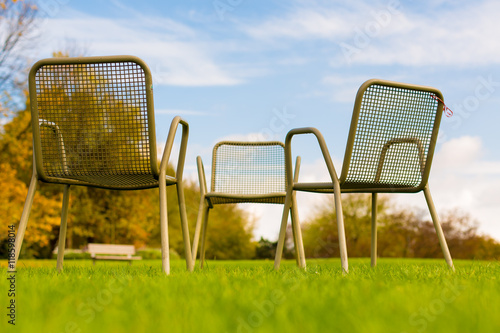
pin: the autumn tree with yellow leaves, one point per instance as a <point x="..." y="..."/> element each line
<point x="95" y="215"/>
<point x="107" y="216"/>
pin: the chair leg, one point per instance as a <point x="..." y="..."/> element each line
<point x="199" y="221"/>
<point x="437" y="226"/>
<point x="63" y="228"/>
<point x="165" y="253"/>
<point x="185" y="227"/>
<point x="295" y="242"/>
<point x="374" y="230"/>
<point x="297" y="234"/>
<point x="24" y="217"/>
<point x="341" y="229"/>
<point x="204" y="237"/>
<point x="284" y="221"/>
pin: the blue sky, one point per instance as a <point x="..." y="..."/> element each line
<point x="241" y="69"/>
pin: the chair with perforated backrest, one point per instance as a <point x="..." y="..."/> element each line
<point x="93" y="125"/>
<point x="245" y="172"/>
<point x="391" y="143"/>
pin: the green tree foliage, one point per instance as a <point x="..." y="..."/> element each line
<point x="320" y="234"/>
<point x="265" y="249"/>
<point x="401" y="233"/>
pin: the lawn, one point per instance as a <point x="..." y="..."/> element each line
<point x="400" y="295"/>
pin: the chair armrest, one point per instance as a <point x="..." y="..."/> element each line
<point x="60" y="141"/>
<point x="297" y="169"/>
<point x="168" y="148"/>
<point x="324" y="151"/>
<point x="201" y="176"/>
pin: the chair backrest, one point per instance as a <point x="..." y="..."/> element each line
<point x="392" y="137"/>
<point x="93" y="117"/>
<point x="248" y="168"/>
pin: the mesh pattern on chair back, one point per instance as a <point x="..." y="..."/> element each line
<point x="392" y="137"/>
<point x="248" y="168"/>
<point x="93" y="122"/>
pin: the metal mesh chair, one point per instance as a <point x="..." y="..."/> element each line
<point x="245" y="172"/>
<point x="391" y="143"/>
<point x="93" y="125"/>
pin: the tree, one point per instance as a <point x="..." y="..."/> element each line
<point x="462" y="236"/>
<point x="265" y="249"/>
<point x="17" y="34"/>
<point x="46" y="213"/>
<point x="321" y="234"/>
<point x="397" y="234"/>
<point x="401" y="233"/>
<point x="97" y="215"/>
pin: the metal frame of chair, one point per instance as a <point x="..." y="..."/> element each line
<point x="390" y="147"/>
<point x="93" y="125"/>
<point x="245" y="172"/>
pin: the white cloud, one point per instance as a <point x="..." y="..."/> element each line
<point x="465" y="34"/>
<point x="176" y="54"/>
<point x="306" y="22"/>
<point x="463" y="152"/>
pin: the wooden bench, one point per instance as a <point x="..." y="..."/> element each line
<point x="112" y="252"/>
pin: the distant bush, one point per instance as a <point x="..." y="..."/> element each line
<point x="73" y="255"/>
<point x="401" y="232"/>
<point x="156" y="254"/>
<point x="266" y="249"/>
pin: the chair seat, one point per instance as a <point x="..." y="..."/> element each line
<point x="222" y="198"/>
<point x="327" y="187"/>
<point x="116" y="181"/>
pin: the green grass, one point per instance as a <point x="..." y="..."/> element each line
<point x="248" y="296"/>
